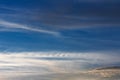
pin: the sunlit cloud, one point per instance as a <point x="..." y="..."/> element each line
<point x="38" y="65"/>
<point x="53" y="61"/>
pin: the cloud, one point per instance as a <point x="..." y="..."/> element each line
<point x="67" y="14"/>
<point x="8" y="25"/>
<point x="42" y="61"/>
<point x="72" y="14"/>
<point x="35" y="65"/>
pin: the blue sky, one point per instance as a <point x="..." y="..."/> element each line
<point x="66" y="25"/>
<point x="81" y="33"/>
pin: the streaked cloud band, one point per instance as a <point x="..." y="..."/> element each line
<point x="53" y="59"/>
<point x="8" y="25"/>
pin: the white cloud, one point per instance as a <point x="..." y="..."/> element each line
<point x="55" y="60"/>
<point x="9" y="25"/>
<point x="45" y="63"/>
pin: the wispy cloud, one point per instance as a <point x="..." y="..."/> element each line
<point x="75" y="14"/>
<point x="69" y="14"/>
<point x="9" y="25"/>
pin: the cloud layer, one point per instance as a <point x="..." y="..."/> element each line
<point x="51" y="65"/>
<point x="54" y="61"/>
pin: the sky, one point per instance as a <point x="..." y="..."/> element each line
<point x="65" y="25"/>
<point x="58" y="36"/>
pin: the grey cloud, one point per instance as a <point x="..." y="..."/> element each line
<point x="69" y="76"/>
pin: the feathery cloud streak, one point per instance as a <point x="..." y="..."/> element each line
<point x="8" y="25"/>
<point x="67" y="14"/>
